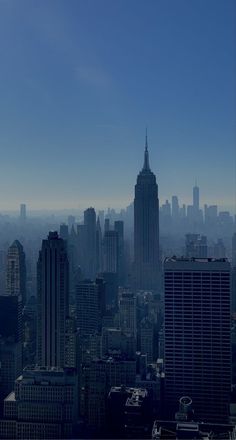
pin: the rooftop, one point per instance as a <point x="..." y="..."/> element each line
<point x="11" y="397"/>
<point x="197" y="260"/>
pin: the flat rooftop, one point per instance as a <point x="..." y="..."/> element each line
<point x="192" y="264"/>
<point x="194" y="259"/>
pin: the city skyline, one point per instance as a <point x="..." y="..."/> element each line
<point x="77" y="95"/>
<point x="118" y="219"/>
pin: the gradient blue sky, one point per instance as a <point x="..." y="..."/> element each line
<point x="80" y="80"/>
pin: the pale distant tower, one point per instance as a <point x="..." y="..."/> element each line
<point x="16" y="271"/>
<point x="53" y="292"/>
<point x="196" y="198"/>
<point x="23" y="212"/>
<point x="175" y="208"/>
<point x="146" y="228"/>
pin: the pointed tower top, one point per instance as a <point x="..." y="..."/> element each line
<point x="146" y="166"/>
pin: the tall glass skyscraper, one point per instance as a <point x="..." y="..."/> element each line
<point x="146" y="228"/>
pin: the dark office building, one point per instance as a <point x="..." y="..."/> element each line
<point x="197" y="336"/>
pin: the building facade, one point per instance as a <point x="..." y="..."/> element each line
<point x="16" y="271"/>
<point x="197" y="335"/>
<point x="111" y="252"/>
<point x="43" y="405"/>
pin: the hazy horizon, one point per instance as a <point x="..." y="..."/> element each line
<point x="81" y="80"/>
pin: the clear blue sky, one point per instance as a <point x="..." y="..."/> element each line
<point x="80" y="80"/>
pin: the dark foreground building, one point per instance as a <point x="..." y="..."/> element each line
<point x="197" y="336"/>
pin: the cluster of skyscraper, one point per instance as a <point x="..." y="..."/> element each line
<point x="109" y="346"/>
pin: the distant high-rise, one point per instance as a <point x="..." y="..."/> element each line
<point x="219" y="249"/>
<point x="196" y="198"/>
<point x="16" y="271"/>
<point x="128" y="312"/>
<point x="146" y="228"/>
<point x="98" y="246"/>
<point x="210" y="213"/>
<point x="119" y="228"/>
<point x="53" y="291"/>
<point x="90" y="300"/>
<point x="197" y="335"/>
<point x="107" y="225"/>
<point x="23" y="212"/>
<point x="110" y="251"/>
<point x="64" y="231"/>
<point x="90" y="243"/>
<point x="175" y="208"/>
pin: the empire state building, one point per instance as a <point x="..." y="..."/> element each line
<point x="146" y="228"/>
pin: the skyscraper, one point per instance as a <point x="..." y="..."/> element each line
<point x="98" y="246"/>
<point x="90" y="242"/>
<point x="197" y="335"/>
<point x="16" y="271"/>
<point x="23" y="212"/>
<point x="128" y="312"/>
<point x="146" y="228"/>
<point x="175" y="208"/>
<point x="110" y="252"/>
<point x="53" y="293"/>
<point x="196" y="198"/>
<point x="119" y="228"/>
<point x="90" y="305"/>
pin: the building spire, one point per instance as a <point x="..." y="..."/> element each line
<point x="146" y="166"/>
